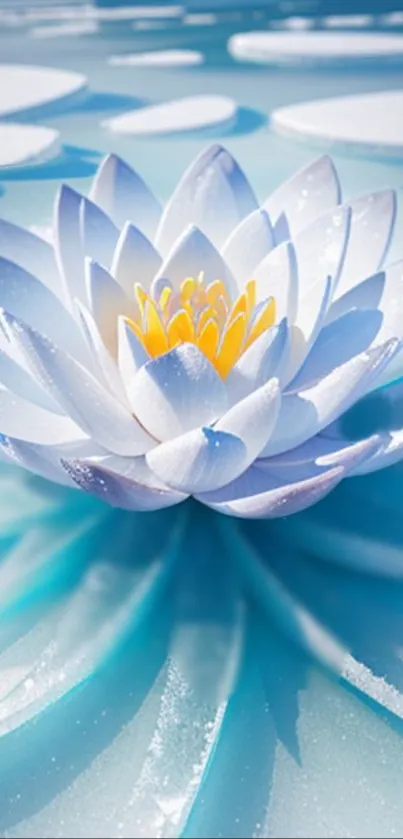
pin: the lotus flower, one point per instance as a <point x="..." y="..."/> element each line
<point x="216" y="348"/>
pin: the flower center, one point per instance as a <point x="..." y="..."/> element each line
<point x="203" y="315"/>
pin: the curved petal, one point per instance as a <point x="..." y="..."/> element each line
<point x="24" y="296"/>
<point x="337" y="343"/>
<point x="213" y="194"/>
<point x="321" y="250"/>
<point x="25" y="421"/>
<point x="321" y="452"/>
<point x="365" y="295"/>
<point x="131" y="353"/>
<point x="177" y="392"/>
<point x="123" y="195"/>
<point x="248" y="244"/>
<point x="207" y="458"/>
<point x="192" y="254"/>
<point x="79" y="393"/>
<point x="68" y="243"/>
<point x="107" y="301"/>
<point x="303" y="198"/>
<point x="392" y="323"/>
<point x="135" y="260"/>
<point x="104" y="365"/>
<point x="265" y="358"/>
<point x="256" y="494"/>
<point x="277" y="276"/>
<point x="34" y="458"/>
<point x="32" y="253"/>
<point x="119" y="491"/>
<point x="304" y="414"/>
<point x="372" y="222"/>
<point x="98" y="233"/>
<point x="15" y="377"/>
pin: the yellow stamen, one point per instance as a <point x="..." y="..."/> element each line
<point x="205" y="315"/>
<point x="141" y="297"/>
<point x="215" y="290"/>
<point x="155" y="339"/>
<point x="180" y="329"/>
<point x="251" y="294"/>
<point x="165" y="297"/>
<point x="208" y="340"/>
<point x="231" y="345"/>
<point x="187" y="289"/>
<point x="221" y="311"/>
<point x="240" y="305"/>
<point x="264" y="321"/>
<point x="136" y="329"/>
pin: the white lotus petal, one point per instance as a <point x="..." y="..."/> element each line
<point x="391" y="452"/>
<point x="105" y="365"/>
<point x="303" y="334"/>
<point x="372" y="223"/>
<point x="107" y="301"/>
<point x="32" y="253"/>
<point x="365" y="295"/>
<point x="15" y="377"/>
<point x="213" y="195"/>
<point x="24" y="296"/>
<point x="131" y="354"/>
<point x="321" y="452"/>
<point x="392" y="323"/>
<point x="321" y="251"/>
<point x="253" y="418"/>
<point x="193" y="253"/>
<point x="248" y="244"/>
<point x="303" y="198"/>
<point x="99" y="234"/>
<point x="304" y="414"/>
<point x="124" y="196"/>
<point x="265" y="358"/>
<point x="256" y="494"/>
<point x="135" y="260"/>
<point x="119" y="491"/>
<point x="177" y="392"/>
<point x="337" y="343"/>
<point x="79" y="393"/>
<point x="277" y="276"/>
<point x="26" y="421"/>
<point x="68" y="243"/>
<point x="35" y="458"/>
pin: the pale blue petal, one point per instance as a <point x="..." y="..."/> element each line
<point x="303" y="198"/>
<point x="338" y="342"/>
<point x="30" y="252"/>
<point x="34" y="458"/>
<point x="277" y="276"/>
<point x="320" y="251"/>
<point x="207" y="458"/>
<point x="24" y="296"/>
<point x="25" y="421"/>
<point x="322" y="452"/>
<point x="117" y="490"/>
<point x="247" y="245"/>
<point x="372" y="223"/>
<point x="123" y="195"/>
<point x="135" y="260"/>
<point x="213" y="195"/>
<point x="83" y="398"/>
<point x="304" y="414"/>
<point x="98" y="233"/>
<point x="392" y="322"/>
<point x="177" y="392"/>
<point x="364" y="295"/>
<point x="17" y="379"/>
<point x="107" y="301"/>
<point x="265" y="358"/>
<point x="131" y="354"/>
<point x="192" y="254"/>
<point x="68" y="243"/>
<point x="105" y="366"/>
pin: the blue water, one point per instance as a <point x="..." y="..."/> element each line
<point x="181" y="674"/>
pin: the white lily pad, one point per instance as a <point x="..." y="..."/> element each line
<point x="25" y="145"/>
<point x="24" y="89"/>
<point x="159" y="58"/>
<point x="188" y="114"/>
<point x="371" y="122"/>
<point x="317" y="48"/>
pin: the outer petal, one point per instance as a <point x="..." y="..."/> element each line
<point x="257" y="494"/>
<point x="277" y="276"/>
<point x="265" y="358"/>
<point x="207" y="458"/>
<point x="30" y="252"/>
<point x="322" y="452"/>
<point x="119" y="491"/>
<point x="79" y="393"/>
<point x="124" y="196"/>
<point x="98" y="233"/>
<point x="20" y="382"/>
<point x="248" y="244"/>
<point x="365" y="295"/>
<point x="337" y="343"/>
<point x="68" y="243"/>
<point x="372" y="223"/>
<point x="24" y="296"/>
<point x="320" y="251"/>
<point x="213" y="194"/>
<point x="303" y="198"/>
<point x="135" y="260"/>
<point x="392" y="324"/>
<point x="304" y="414"/>
<point x="177" y="392"/>
<point x="25" y="421"/>
<point x="190" y="255"/>
<point x="107" y="301"/>
<point x="35" y="458"/>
